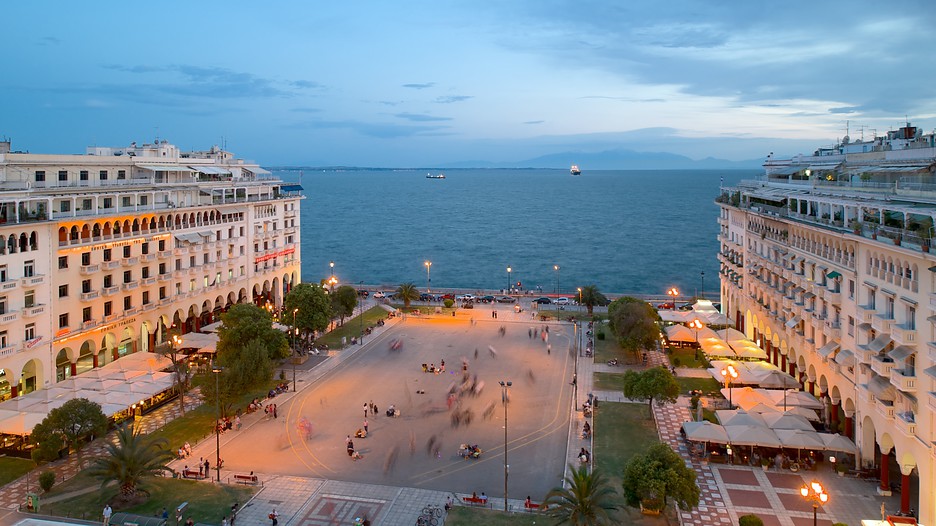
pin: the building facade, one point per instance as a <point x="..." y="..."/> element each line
<point x="102" y="253"/>
<point x="826" y="263"/>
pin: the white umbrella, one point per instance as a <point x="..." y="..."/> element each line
<point x="808" y="414"/>
<point x="705" y="431"/>
<point x="731" y="335"/>
<point x="838" y="442"/>
<point x="762" y="408"/>
<point x="799" y="439"/>
<point x="21" y="424"/>
<point x="680" y="333"/>
<point x="795" y="399"/>
<point x="752" y="436"/>
<point x="777" y="421"/>
<point x="739" y="417"/>
<point x="20" y="403"/>
<point x="777" y="379"/>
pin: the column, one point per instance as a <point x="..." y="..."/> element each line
<point x="904" y="491"/>
<point x="885" y="470"/>
<point x="848" y="426"/>
<point x="74" y="368"/>
<point x="833" y="415"/>
<point x="783" y="364"/>
<point x="811" y="387"/>
<point x="94" y="358"/>
<point x="14" y="390"/>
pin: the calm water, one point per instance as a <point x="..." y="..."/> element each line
<point x="624" y="231"/>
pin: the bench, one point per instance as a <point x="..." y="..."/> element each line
<point x="246" y="479"/>
<point x="475" y="501"/>
<point x="191" y="474"/>
<point x="531" y="506"/>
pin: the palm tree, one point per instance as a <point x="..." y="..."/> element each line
<point x="133" y="458"/>
<point x="591" y="297"/>
<point x="408" y="293"/>
<point x="587" y="501"/>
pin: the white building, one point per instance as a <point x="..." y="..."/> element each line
<point x="101" y="253"/>
<point x="826" y="263"/>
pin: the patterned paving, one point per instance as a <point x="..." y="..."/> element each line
<point x="336" y="509"/>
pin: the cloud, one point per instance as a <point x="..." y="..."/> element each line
<point x="390" y="102"/>
<point x="371" y="129"/>
<point x="420" y="117"/>
<point x="306" y="84"/>
<point x="306" y="110"/>
<point x="202" y="82"/>
<point x="449" y="99"/>
<point x="621" y="99"/>
<point x="533" y="122"/>
<point x="420" y="86"/>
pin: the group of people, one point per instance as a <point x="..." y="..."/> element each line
<point x="584" y="456"/>
<point x="185" y="450"/>
<point x="226" y="424"/>
<point x="586" y="431"/>
<point x="350" y="447"/>
<point x="431" y="368"/>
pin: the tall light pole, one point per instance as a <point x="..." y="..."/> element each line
<point x="295" y="354"/>
<point x="428" y="277"/>
<point x="556" y="268"/>
<point x="361" y="300"/>
<point x="331" y="268"/>
<point x="505" y="397"/>
<point x="816" y="494"/>
<point x="674" y="292"/>
<point x="580" y="297"/>
<point x="508" y="280"/>
<point x="729" y="373"/>
<point x="217" y="373"/>
<point x="702" y="292"/>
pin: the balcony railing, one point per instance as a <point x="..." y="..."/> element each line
<point x="904" y="380"/>
<point x="110" y="291"/>
<point x="87" y="270"/>
<point x="32" y="281"/>
<point x="31" y="312"/>
<point x="88" y="296"/>
<point x="904" y="334"/>
<point x="7" y="286"/>
<point x="885" y="408"/>
<point x="906" y="423"/>
<point x="882" y="322"/>
<point x="882" y="365"/>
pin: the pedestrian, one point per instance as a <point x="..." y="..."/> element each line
<point x="165" y="513"/>
<point x="233" y="513"/>
<point x="274" y="516"/>
<point x="530" y="333"/>
<point x="548" y="349"/>
<point x="201" y="467"/>
<point x="365" y="409"/>
<point x="348" y="441"/>
<point x="376" y="412"/>
<point x="107" y="514"/>
<point x="224" y="521"/>
<point x="237" y="422"/>
<point x="493" y="314"/>
<point x="208" y="467"/>
<point x="365" y="425"/>
<point x="274" y="411"/>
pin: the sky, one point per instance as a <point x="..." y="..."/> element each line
<point x="424" y="83"/>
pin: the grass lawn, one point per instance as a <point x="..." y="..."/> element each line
<point x="207" y="503"/>
<point x="579" y="313"/>
<point x="608" y="348"/>
<point x="687" y="358"/>
<point x="352" y="327"/>
<point x="12" y="468"/>
<point x="706" y="385"/>
<point x="609" y="381"/>
<point x="465" y="516"/>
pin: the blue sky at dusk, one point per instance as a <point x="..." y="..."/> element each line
<point x="424" y="83"/>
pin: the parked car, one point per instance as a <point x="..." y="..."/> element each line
<point x="448" y="296"/>
<point x="379" y="295"/>
<point x="426" y="297"/>
<point x="543" y="301"/>
<point x="505" y="299"/>
<point x="468" y="305"/>
<point x="561" y="301"/>
<point x="363" y="293"/>
<point x="486" y="299"/>
<point x="686" y="306"/>
<point x="465" y="297"/>
<point x="664" y="306"/>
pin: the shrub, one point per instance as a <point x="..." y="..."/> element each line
<point x="46" y="480"/>
<point x="677" y="362"/>
<point x="694" y="402"/>
<point x="750" y="520"/>
<point x="448" y="303"/>
<point x="601" y="335"/>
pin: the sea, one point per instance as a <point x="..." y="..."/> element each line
<point x="624" y="231"/>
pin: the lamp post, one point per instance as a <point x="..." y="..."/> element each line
<point x="702" y="290"/>
<point x="580" y="297"/>
<point x="508" y="279"/>
<point x="505" y="397"/>
<point x="816" y="494"/>
<point x="674" y="292"/>
<point x="729" y="373"/>
<point x="217" y="373"/>
<point x="361" y="300"/>
<point x="556" y="268"/>
<point x="428" y="277"/>
<point x="331" y="268"/>
<point x="295" y="354"/>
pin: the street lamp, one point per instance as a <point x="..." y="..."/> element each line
<point x="674" y="292"/>
<point x="580" y="297"/>
<point x="428" y="277"/>
<point x="508" y="279"/>
<point x="331" y="268"/>
<point x="702" y="292"/>
<point x="729" y="373"/>
<point x="217" y="373"/>
<point x="505" y="397"/>
<point x="556" y="268"/>
<point x="816" y="494"/>
<point x="697" y="325"/>
<point x="295" y="354"/>
<point x="361" y="300"/>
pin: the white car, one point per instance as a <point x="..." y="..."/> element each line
<point x="465" y="297"/>
<point x="561" y="301"/>
<point x="379" y="295"/>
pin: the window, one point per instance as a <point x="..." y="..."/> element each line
<point x="3" y="338"/>
<point x="851" y="326"/>
<point x="108" y="202"/>
<point x="206" y="281"/>
<point x="85" y="258"/>
<point x="162" y="268"/>
<point x="29" y="269"/>
<point x="29" y="299"/>
<point x="121" y="174"/>
<point x="911" y="318"/>
<point x="128" y="302"/>
<point x="146" y="297"/>
<point x="126" y="251"/>
<point x="108" y="308"/>
<point x="128" y="276"/>
<point x="204" y="259"/>
<point x="144" y="200"/>
<point x="3" y="305"/>
<point x="63" y="261"/>
<point x="144" y="248"/>
<point x="64" y="206"/>
<point x="63" y="291"/>
<point x="63" y="176"/>
<point x="3" y="273"/>
<point x="63" y="320"/>
<point x="86" y="204"/>
<point x="162" y="293"/>
<point x="83" y="175"/>
<point x="145" y="272"/>
<point x="86" y="286"/>
<point x="125" y="201"/>
<point x="108" y="281"/>
<point x="191" y="261"/>
<point x="86" y="314"/>
<point x="872" y="299"/>
<point x="102" y="175"/>
<point x="889" y="308"/>
<point x="851" y="289"/>
<point x="162" y="245"/>
<point x="30" y="332"/>
<point x="191" y="284"/>
<point x="40" y="176"/>
<point x="107" y="254"/>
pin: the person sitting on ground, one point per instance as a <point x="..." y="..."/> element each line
<point x="584" y="456"/>
<point x="586" y="430"/>
<point x="356" y="456"/>
<point x="360" y="433"/>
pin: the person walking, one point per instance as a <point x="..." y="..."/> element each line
<point x="207" y="468"/>
<point x="201" y="467"/>
<point x="107" y="514"/>
<point x="365" y="425"/>
<point x="274" y="516"/>
<point x="365" y="409"/>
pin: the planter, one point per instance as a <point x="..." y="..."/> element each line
<point x="650" y="510"/>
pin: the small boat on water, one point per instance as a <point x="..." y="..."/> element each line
<point x="575" y="170"/>
<point x="439" y="176"/>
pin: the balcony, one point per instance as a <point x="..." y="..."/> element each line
<point x="833" y="329"/>
<point x="148" y="258"/>
<point x="865" y="313"/>
<point x="110" y="317"/>
<point x="164" y="277"/>
<point x="150" y="280"/>
<point x="882" y="365"/>
<point x="885" y="408"/>
<point x="292" y="213"/>
<point x="931" y="401"/>
<point x="9" y="350"/>
<point x="32" y="281"/>
<point x="132" y="311"/>
<point x="148" y="306"/>
<point x="882" y="322"/>
<point x="164" y="254"/>
<point x="130" y="285"/>
<point x="87" y="270"/>
<point x="179" y="251"/>
<point x="904" y="334"/>
<point x="88" y="324"/>
<point x="7" y="286"/>
<point x="904" y="380"/>
<point x="32" y="312"/>
<point x="88" y="296"/>
<point x="108" y="265"/>
<point x="110" y="291"/>
<point x="129" y="262"/>
<point x="906" y="423"/>
<point x="9" y="317"/>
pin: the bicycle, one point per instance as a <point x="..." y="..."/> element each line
<point x="426" y="520"/>
<point x="432" y="511"/>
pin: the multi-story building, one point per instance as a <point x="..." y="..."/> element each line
<point x="826" y="263"/>
<point x="102" y="253"/>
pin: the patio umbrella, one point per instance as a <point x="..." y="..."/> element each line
<point x="752" y="436"/>
<point x="123" y="375"/>
<point x="808" y="414"/>
<point x="762" y="408"/>
<point x="799" y="439"/>
<point x="680" y="333"/>
<point x="778" y="421"/>
<point x="837" y="442"/>
<point x="796" y="399"/>
<point x="779" y="380"/>
<point x="705" y="431"/>
<point x="81" y="382"/>
<point x="739" y="417"/>
<point x="731" y="335"/>
<point x="19" y="403"/>
<point x="21" y="423"/>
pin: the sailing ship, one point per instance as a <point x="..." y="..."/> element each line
<point x="439" y="176"/>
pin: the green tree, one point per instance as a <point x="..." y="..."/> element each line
<point x="659" y="474"/>
<point x="69" y="425"/>
<point x="314" y="309"/>
<point x="592" y="298"/>
<point x="408" y="293"/>
<point x="343" y="302"/>
<point x="182" y="373"/>
<point x="243" y="369"/>
<point x="588" y="500"/>
<point x="653" y="384"/>
<point x="633" y="323"/>
<point x="244" y="323"/>
<point x="131" y="460"/>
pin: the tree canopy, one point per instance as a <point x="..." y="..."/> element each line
<point x="244" y="323"/>
<point x="343" y="302"/>
<point x="69" y="425"/>
<point x="181" y="372"/>
<point x="132" y="459"/>
<point x="408" y="293"/>
<point x="588" y="500"/>
<point x="651" y="478"/>
<point x="315" y="308"/>
<point x="653" y="384"/>
<point x="592" y="298"/>
<point x="633" y="323"/>
<point x="248" y="368"/>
